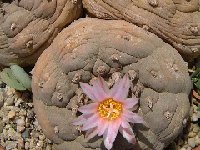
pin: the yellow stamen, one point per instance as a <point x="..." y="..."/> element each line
<point x="110" y="109"/>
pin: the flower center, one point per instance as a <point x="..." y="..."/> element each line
<point x="110" y="109"/>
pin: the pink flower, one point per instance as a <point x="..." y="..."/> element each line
<point x="109" y="113"/>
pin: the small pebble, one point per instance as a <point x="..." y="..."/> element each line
<point x="195" y="109"/>
<point x="27" y="146"/>
<point x="18" y="102"/>
<point x="11" y="145"/>
<point x="26" y="133"/>
<point x="194" y="118"/>
<point x="10" y="91"/>
<point x="191" y="134"/>
<point x="48" y="147"/>
<point x="191" y="142"/>
<point x="22" y="112"/>
<point x="20" y="129"/>
<point x="11" y="114"/>
<point x="196" y="128"/>
<point x="31" y="144"/>
<point x="42" y="137"/>
<point x="21" y="144"/>
<point x="56" y="130"/>
<point x="40" y="144"/>
<point x="30" y="114"/>
<point x="197" y="140"/>
<point x="9" y="101"/>
<point x="20" y="122"/>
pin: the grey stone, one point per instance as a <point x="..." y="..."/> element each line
<point x="11" y="145"/>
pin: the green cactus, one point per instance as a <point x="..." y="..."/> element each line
<point x="16" y="77"/>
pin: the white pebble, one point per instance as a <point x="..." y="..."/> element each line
<point x="191" y="142"/>
<point x="20" y="122"/>
<point x="194" y="117"/>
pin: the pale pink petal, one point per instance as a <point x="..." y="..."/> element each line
<point x="128" y="134"/>
<point x="102" y="84"/>
<point x="132" y="117"/>
<point x="111" y="133"/>
<point x="125" y="124"/>
<point x="108" y="144"/>
<point x="81" y="119"/>
<point x="100" y="88"/>
<point x="127" y="113"/>
<point x="88" y="90"/>
<point x="91" y="122"/>
<point x="136" y="119"/>
<point x="130" y="102"/>
<point x="87" y="109"/>
<point x="102" y="126"/>
<point x="91" y="133"/>
<point x="120" y="90"/>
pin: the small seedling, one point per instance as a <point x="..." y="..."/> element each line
<point x="196" y="79"/>
<point x="16" y="77"/>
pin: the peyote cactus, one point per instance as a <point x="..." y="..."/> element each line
<point x="28" y="27"/>
<point x="92" y="47"/>
<point x="175" y="21"/>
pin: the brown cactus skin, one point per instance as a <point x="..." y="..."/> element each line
<point x="158" y="74"/>
<point x="29" y="27"/>
<point x="177" y="22"/>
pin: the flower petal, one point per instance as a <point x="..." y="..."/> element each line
<point x="108" y="144"/>
<point x="81" y="119"/>
<point x="87" y="109"/>
<point x="100" y="89"/>
<point x="125" y="124"/>
<point x="132" y="117"/>
<point x="130" y="102"/>
<point x="88" y="90"/>
<point x="127" y="114"/>
<point x="128" y="134"/>
<point x="111" y="133"/>
<point x="120" y="90"/>
<point x="91" y="133"/>
<point x="136" y="119"/>
<point x="91" y="122"/>
<point x="102" y="126"/>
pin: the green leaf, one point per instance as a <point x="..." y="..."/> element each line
<point x="8" y="78"/>
<point x="196" y="73"/>
<point x="21" y="76"/>
<point x="194" y="80"/>
<point x="197" y="84"/>
<point x="198" y="108"/>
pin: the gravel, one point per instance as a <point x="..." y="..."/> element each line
<point x="191" y="133"/>
<point x="19" y="128"/>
